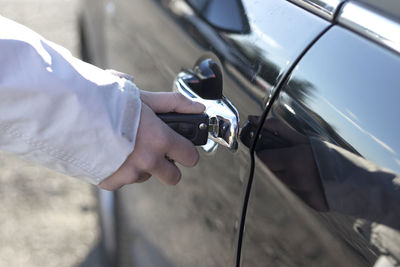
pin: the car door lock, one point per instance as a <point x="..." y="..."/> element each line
<point x="197" y="127"/>
<point x="222" y="125"/>
<point x="219" y="124"/>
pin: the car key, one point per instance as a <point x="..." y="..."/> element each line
<point x="192" y="126"/>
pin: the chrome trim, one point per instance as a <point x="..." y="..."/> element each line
<point x="224" y="117"/>
<point x="370" y="24"/>
<point x="323" y="8"/>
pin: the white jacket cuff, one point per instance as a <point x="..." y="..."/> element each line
<point x="60" y="112"/>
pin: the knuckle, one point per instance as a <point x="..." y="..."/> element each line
<point x="131" y="179"/>
<point x="150" y="163"/>
<point x="173" y="177"/>
<point x="179" y="99"/>
<point x="192" y="156"/>
<point x="195" y="159"/>
<point x="176" y="179"/>
<point x="165" y="141"/>
<point x="132" y="174"/>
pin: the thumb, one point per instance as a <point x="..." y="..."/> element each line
<point x="164" y="102"/>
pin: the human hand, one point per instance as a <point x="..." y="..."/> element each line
<point x="294" y="164"/>
<point x="157" y="146"/>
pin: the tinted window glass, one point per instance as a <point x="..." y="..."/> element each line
<point x="224" y="14"/>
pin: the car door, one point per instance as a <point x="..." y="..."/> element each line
<point x="339" y="110"/>
<point x="255" y="43"/>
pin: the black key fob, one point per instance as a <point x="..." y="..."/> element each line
<point x="192" y="126"/>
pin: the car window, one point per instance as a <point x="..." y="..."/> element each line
<point x="227" y="15"/>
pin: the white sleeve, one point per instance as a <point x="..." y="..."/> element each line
<point x="60" y="112"/>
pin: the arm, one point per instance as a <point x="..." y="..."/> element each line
<point x="70" y="116"/>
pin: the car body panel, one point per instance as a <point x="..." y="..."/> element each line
<point x="198" y="222"/>
<point x="168" y="226"/>
<point x="280" y="33"/>
<point x="205" y="208"/>
<point x="345" y="95"/>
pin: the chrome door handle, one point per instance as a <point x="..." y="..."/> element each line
<point x="224" y="118"/>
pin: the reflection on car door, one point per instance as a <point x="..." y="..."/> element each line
<point x="197" y="223"/>
<point x="338" y="114"/>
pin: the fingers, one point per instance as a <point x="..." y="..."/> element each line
<point x="163" y="169"/>
<point x="173" y="145"/>
<point x="167" y="172"/>
<point x="180" y="149"/>
<point x="163" y="141"/>
<point x="165" y="102"/>
<point x="155" y="142"/>
<point x="112" y="183"/>
<point x="186" y="155"/>
<point x="124" y="175"/>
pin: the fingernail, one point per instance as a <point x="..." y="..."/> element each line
<point x="199" y="105"/>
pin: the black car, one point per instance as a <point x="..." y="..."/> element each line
<point x="302" y="164"/>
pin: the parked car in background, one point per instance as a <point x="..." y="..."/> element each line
<point x="303" y="172"/>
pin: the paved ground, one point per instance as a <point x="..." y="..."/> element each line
<point x="46" y="219"/>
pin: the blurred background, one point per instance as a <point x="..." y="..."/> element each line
<point x="46" y="219"/>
